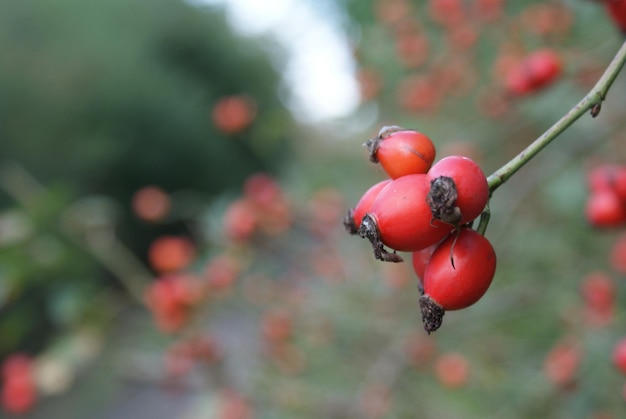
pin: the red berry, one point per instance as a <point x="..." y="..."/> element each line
<point x="151" y="203"/>
<point x="464" y="198"/>
<point x="544" y="65"/>
<point x="16" y="364"/>
<point x="401" y="152"/>
<point x="458" y="274"/>
<point x="598" y="290"/>
<point x="18" y="392"/>
<point x="401" y="219"/>
<point x="262" y="189"/>
<point x="241" y="220"/>
<point x="562" y="362"/>
<point x="356" y="214"/>
<point x="605" y="209"/>
<point x="619" y="355"/>
<point x="608" y="176"/>
<point x="171" y="253"/>
<point x="535" y="71"/>
<point x="419" y="260"/>
<point x="233" y="114"/>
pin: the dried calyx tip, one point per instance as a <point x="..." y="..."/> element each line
<point x="369" y="230"/>
<point x="373" y="143"/>
<point x="442" y="198"/>
<point x="432" y="313"/>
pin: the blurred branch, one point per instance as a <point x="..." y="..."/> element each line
<point x="591" y="102"/>
<point x="98" y="239"/>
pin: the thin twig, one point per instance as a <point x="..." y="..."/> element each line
<point x="591" y="102"/>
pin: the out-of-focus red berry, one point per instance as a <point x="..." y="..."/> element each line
<point x="233" y="114"/>
<point x="452" y="369"/>
<point x="240" y="220"/>
<point x="16" y="364"/>
<point x="171" y="253"/>
<point x="619" y="355"/>
<point x="617" y="11"/>
<point x="605" y="209"/>
<point x="262" y="189"/>
<point x="599" y="292"/>
<point x="562" y="362"/>
<point x="534" y="72"/>
<point x="18" y="393"/>
<point x="170" y="298"/>
<point x="151" y="203"/>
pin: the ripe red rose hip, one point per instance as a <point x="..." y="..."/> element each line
<point x="356" y="214"/>
<point x="401" y="152"/>
<point x="458" y="190"/>
<point x="400" y="218"/>
<point x="457" y="275"/>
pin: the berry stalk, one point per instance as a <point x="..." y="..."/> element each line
<point x="591" y="102"/>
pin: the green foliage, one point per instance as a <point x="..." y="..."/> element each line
<point x="102" y="99"/>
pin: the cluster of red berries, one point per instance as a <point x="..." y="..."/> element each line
<point x="606" y="203"/>
<point x="426" y="209"/>
<point x="172" y="298"/>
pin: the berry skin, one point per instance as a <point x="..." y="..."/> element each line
<point x="458" y="190"/>
<point x="619" y="355"/>
<point x="356" y="214"/>
<point x="401" y="219"/>
<point x="419" y="260"/>
<point x="458" y="274"/>
<point x="401" y="152"/>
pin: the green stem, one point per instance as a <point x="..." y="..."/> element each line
<point x="592" y="101"/>
<point x="484" y="220"/>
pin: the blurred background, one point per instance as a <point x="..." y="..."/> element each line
<point x="173" y="180"/>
